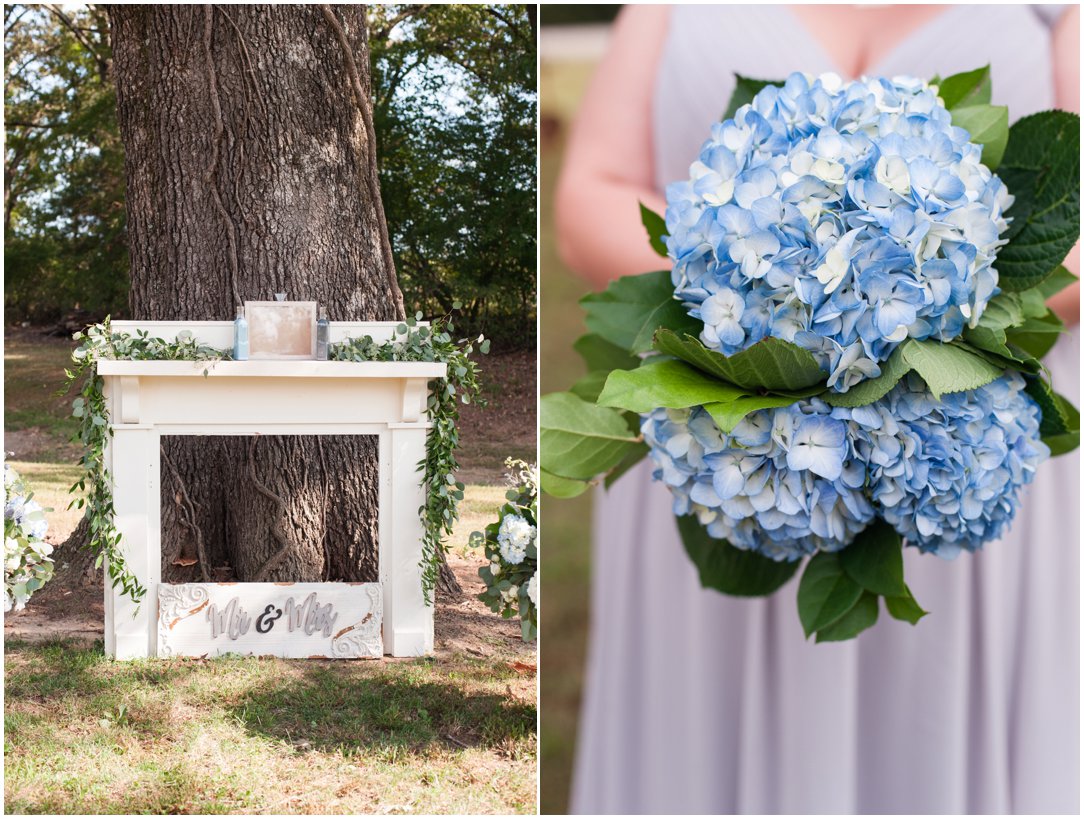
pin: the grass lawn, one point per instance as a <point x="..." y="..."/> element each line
<point x="452" y="733"/>
<point x="86" y="735"/>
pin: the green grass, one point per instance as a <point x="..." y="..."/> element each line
<point x="33" y="373"/>
<point x="84" y="734"/>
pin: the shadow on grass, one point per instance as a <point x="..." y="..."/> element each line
<point x="348" y="707"/>
<point x="341" y="709"/>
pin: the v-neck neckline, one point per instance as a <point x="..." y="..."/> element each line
<point x="800" y="27"/>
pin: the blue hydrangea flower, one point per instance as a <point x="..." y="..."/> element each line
<point x="791" y="481"/>
<point x="780" y="484"/>
<point x="947" y="475"/>
<point x="844" y="217"/>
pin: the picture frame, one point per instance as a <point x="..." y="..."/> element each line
<point x="283" y="330"/>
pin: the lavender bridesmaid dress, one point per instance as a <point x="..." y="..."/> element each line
<point x="700" y="703"/>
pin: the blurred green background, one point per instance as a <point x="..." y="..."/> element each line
<point x="572" y="40"/>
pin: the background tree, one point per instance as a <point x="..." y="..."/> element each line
<point x="64" y="240"/>
<point x="454" y="115"/>
<point x="455" y="102"/>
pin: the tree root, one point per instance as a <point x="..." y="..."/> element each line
<point x="276" y="528"/>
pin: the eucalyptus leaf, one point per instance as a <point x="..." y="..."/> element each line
<point x="770" y="364"/>
<point x="826" y="592"/>
<point x="861" y="616"/>
<point x="730" y="570"/>
<point x="632" y="308"/>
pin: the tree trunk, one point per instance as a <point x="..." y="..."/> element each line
<point x="251" y="166"/>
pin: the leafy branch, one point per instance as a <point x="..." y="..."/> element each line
<point x="413" y="342"/>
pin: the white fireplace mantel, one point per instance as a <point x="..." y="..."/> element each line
<point x="148" y="399"/>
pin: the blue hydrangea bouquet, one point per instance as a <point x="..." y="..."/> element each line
<point x="846" y="355"/>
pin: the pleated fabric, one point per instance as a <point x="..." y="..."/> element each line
<point x="700" y="703"/>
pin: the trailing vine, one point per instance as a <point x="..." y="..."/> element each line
<point x="100" y="342"/>
<point x="412" y="342"/>
<point x="409" y="342"/>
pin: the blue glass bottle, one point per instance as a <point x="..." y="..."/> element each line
<point x="240" y="336"/>
<point x="323" y="335"/>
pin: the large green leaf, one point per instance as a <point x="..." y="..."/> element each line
<point x="666" y="383"/>
<point x="745" y="89"/>
<point x="874" y="560"/>
<point x="580" y="440"/>
<point x="1067" y="441"/>
<point x="944" y="367"/>
<point x="988" y="126"/>
<point x="589" y="386"/>
<point x="637" y="454"/>
<point x="1036" y="336"/>
<point x="905" y="608"/>
<point x="1056" y="282"/>
<point x="632" y="308"/>
<point x="825" y="593"/>
<point x="599" y="354"/>
<point x="965" y="89"/>
<point x="560" y="487"/>
<point x="873" y="389"/>
<point x="1059" y="426"/>
<point x="656" y="229"/>
<point x="770" y="364"/>
<point x="988" y="340"/>
<point x="947" y="367"/>
<point x="729" y="415"/>
<point x="730" y="570"/>
<point x="1041" y="169"/>
<point x="862" y="615"/>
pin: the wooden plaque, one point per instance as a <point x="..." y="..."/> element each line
<point x="336" y="620"/>
<point x="281" y="329"/>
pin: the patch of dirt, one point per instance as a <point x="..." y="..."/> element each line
<point x="466" y="625"/>
<point x="507" y="425"/>
<point x="39" y="444"/>
<point x="76" y="614"/>
<point x="463" y="623"/>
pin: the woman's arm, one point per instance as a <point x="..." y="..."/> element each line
<point x="1067" y="97"/>
<point x="608" y="163"/>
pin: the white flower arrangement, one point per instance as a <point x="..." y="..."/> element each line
<point x="27" y="562"/>
<point x="511" y="547"/>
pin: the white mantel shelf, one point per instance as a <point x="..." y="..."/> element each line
<point x="149" y="399"/>
<point x="275" y="369"/>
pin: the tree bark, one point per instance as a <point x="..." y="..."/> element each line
<point x="251" y="167"/>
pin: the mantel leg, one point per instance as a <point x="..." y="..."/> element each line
<point x="408" y="621"/>
<point x="130" y="627"/>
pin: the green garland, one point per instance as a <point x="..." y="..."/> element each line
<point x="443" y="492"/>
<point x="100" y="342"/>
<point x="410" y="342"/>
